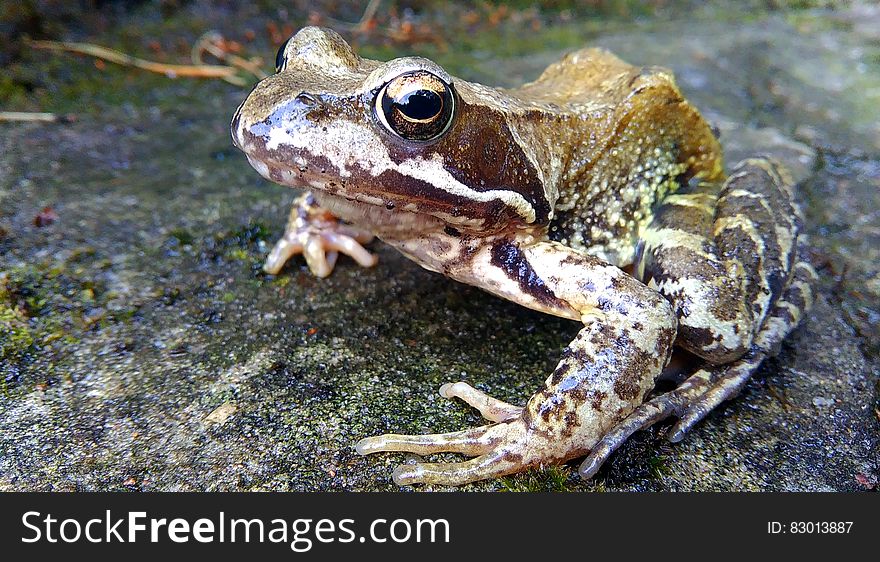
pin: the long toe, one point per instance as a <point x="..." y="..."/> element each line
<point x="472" y="442"/>
<point x="492" y="465"/>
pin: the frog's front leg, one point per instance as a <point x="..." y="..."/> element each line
<point x="319" y="237"/>
<point x="602" y="376"/>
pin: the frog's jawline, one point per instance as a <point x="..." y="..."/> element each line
<point x="388" y="224"/>
<point x="375" y="211"/>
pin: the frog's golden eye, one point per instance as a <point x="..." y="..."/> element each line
<point x="280" y="59"/>
<point x="416" y="106"/>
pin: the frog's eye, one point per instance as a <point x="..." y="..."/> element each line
<point x="280" y="59"/>
<point x="416" y="106"/>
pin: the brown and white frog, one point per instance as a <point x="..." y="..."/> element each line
<point x="594" y="193"/>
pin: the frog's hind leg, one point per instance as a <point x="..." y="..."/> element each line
<point x="711" y="385"/>
<point x="756" y="232"/>
<point x="604" y="373"/>
<point x="723" y="258"/>
<point x="783" y="318"/>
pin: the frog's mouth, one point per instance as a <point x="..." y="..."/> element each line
<point x="411" y="184"/>
<point x="373" y="212"/>
<point x="302" y="176"/>
<point x="350" y="196"/>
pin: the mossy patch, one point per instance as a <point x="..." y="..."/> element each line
<point x="15" y="335"/>
<point x="245" y="244"/>
<point x="548" y="479"/>
<point x="47" y="307"/>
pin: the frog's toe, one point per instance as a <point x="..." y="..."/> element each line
<point x="490" y="408"/>
<point x="283" y="250"/>
<point x="497" y="449"/>
<point x="491" y="465"/>
<point x="320" y="261"/>
<point x="320" y="249"/>
<point x="475" y="441"/>
<point x="350" y="245"/>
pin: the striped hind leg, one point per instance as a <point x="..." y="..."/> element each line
<point x="703" y="391"/>
<point x="728" y="262"/>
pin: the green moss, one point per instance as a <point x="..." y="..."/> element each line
<point x="238" y="254"/>
<point x="549" y="479"/>
<point x="242" y="244"/>
<point x="182" y="235"/>
<point x="658" y="466"/>
<point x="46" y="307"/>
<point x="15" y="335"/>
<point x="244" y="236"/>
<point x="12" y="92"/>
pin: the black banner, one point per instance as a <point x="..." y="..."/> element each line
<point x="436" y="525"/>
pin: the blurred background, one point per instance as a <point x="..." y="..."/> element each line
<point x="142" y="347"/>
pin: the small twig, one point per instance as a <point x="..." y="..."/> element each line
<point x="405" y="32"/>
<point x="228" y="73"/>
<point x="29" y="116"/>
<point x="363" y="24"/>
<point x="369" y="14"/>
<point x="210" y="42"/>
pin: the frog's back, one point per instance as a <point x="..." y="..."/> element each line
<point x="630" y="138"/>
<point x="588" y="79"/>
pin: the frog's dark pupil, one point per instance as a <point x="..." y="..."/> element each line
<point x="279" y="57"/>
<point x="420" y="104"/>
<point x="418" y="108"/>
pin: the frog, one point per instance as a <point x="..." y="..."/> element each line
<point x="595" y="193"/>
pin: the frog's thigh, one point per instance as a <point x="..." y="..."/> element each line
<point x="756" y="233"/>
<point x="723" y="259"/>
<point x="602" y="376"/>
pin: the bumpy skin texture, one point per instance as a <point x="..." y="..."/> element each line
<point x="541" y="195"/>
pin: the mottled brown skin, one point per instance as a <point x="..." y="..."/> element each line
<point x="544" y="195"/>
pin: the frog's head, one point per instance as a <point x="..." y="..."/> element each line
<point x="402" y="134"/>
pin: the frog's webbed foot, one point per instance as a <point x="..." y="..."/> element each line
<point x="704" y="390"/>
<point x="320" y="237"/>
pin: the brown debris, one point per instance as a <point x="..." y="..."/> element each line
<point x="45" y="217"/>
